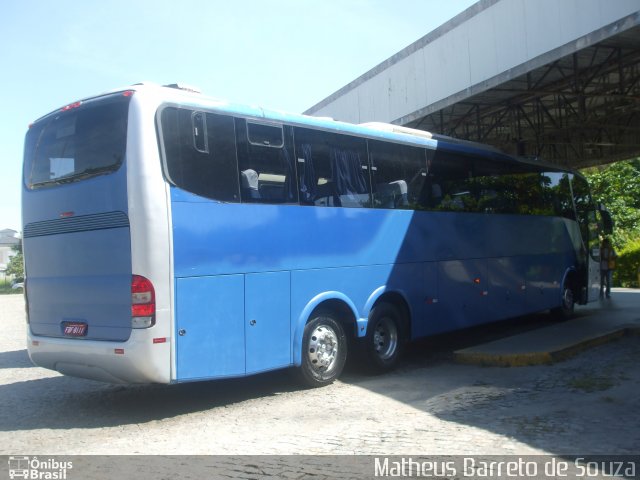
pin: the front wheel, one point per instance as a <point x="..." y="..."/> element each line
<point x="324" y="351"/>
<point x="384" y="338"/>
<point x="567" y="307"/>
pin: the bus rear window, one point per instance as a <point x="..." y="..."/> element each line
<point x="77" y="143"/>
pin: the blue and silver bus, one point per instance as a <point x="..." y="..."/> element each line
<point x="171" y="237"/>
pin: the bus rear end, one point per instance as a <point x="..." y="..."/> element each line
<point x="90" y="311"/>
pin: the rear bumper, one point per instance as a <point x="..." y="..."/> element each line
<point x="138" y="360"/>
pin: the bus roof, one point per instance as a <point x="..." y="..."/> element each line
<point x="191" y="96"/>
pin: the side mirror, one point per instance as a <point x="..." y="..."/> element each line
<point x="607" y="221"/>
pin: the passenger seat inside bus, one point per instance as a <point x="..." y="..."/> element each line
<point x="249" y="181"/>
<point x="392" y="194"/>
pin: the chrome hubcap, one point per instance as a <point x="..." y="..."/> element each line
<point x="385" y="338"/>
<point x="323" y="349"/>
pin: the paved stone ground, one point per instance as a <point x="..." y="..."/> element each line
<point x="587" y="405"/>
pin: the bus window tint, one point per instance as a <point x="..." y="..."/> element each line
<point x="267" y="171"/>
<point x="206" y="168"/>
<point x="481" y="185"/>
<point x="510" y="188"/>
<point x="557" y="188"/>
<point x="332" y="169"/>
<point x="449" y="178"/>
<point x="398" y="175"/>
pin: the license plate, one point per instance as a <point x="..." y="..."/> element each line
<point x="75" y="329"/>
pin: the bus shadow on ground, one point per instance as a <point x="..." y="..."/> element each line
<point x="587" y="404"/>
<point x="566" y="407"/>
<point x="15" y="359"/>
<point x="61" y="402"/>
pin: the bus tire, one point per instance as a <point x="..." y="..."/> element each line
<point x="324" y="350"/>
<point x="567" y="307"/>
<point x="384" y="338"/>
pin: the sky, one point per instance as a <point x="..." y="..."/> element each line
<point x="280" y="54"/>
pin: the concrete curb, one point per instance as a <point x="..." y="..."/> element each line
<point x="497" y="354"/>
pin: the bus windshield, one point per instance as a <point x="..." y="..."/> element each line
<point x="80" y="141"/>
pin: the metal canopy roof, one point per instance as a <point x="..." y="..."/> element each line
<point x="579" y="110"/>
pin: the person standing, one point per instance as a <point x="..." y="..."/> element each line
<point x="607" y="265"/>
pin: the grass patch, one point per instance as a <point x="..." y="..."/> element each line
<point x="5" y="289"/>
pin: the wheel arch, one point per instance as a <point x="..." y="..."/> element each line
<point x="565" y="308"/>
<point x="336" y="302"/>
<point x="570" y="277"/>
<point x="397" y="299"/>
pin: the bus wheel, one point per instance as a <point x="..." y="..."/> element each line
<point x="384" y="338"/>
<point x="324" y="351"/>
<point x="565" y="310"/>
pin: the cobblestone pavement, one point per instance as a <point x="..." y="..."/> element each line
<point x="587" y="405"/>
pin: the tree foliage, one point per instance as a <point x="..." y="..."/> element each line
<point x="15" y="266"/>
<point x="628" y="272"/>
<point x="618" y="187"/>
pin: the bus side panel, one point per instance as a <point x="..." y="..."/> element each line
<point x="464" y="293"/>
<point x="544" y="278"/>
<point x="210" y="327"/>
<point x="507" y="287"/>
<point x="267" y="238"/>
<point x="430" y="303"/>
<point x="539" y="247"/>
<point x="447" y="236"/>
<point x="267" y="321"/>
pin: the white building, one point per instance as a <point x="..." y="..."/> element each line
<point x="8" y="239"/>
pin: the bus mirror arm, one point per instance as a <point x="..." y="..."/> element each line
<point x="607" y="221"/>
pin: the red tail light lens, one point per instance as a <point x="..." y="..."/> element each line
<point x="143" y="302"/>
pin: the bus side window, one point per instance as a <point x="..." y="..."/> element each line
<point x="267" y="171"/>
<point x="508" y="188"/>
<point x="398" y="174"/>
<point x="200" y="153"/>
<point x="332" y="169"/>
<point x="558" y="189"/>
<point x="453" y="175"/>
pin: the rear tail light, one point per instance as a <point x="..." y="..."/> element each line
<point x="143" y="302"/>
<point x="71" y="106"/>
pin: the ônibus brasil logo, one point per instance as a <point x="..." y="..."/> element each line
<point x="33" y="468"/>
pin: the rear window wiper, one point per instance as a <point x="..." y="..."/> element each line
<point x="90" y="172"/>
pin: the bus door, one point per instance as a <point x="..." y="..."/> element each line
<point x="593" y="259"/>
<point x="589" y="231"/>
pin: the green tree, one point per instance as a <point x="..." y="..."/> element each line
<point x="16" y="264"/>
<point x="618" y="187"/>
